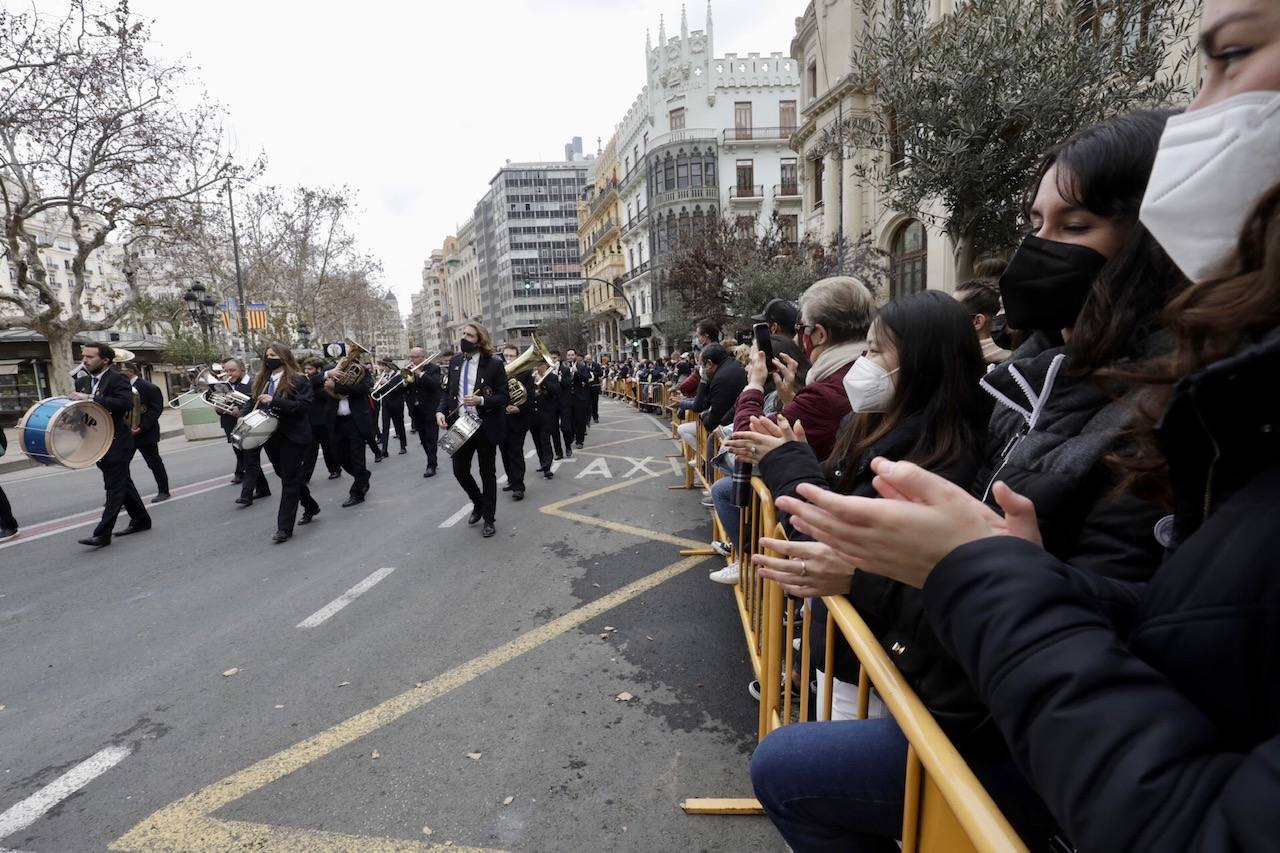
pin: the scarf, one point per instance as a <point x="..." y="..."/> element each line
<point x="833" y="358"/>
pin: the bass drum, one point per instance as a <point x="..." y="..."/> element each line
<point x="70" y="433"/>
<point x="253" y="430"/>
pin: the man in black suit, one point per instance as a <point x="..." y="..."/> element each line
<point x="8" y="524"/>
<point x="146" y="436"/>
<point x="478" y="386"/>
<point x="392" y="405"/>
<point x="319" y="417"/>
<point x="564" y="372"/>
<point x="544" y="417"/>
<point x="597" y="382"/>
<point x="517" y="427"/>
<point x="239" y="379"/>
<point x="351" y="428"/>
<point x="111" y="390"/>
<point x="423" y="400"/>
<point x="580" y="378"/>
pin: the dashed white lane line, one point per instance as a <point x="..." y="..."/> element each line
<point x="346" y="598"/>
<point x="466" y="509"/>
<point x="27" y="812"/>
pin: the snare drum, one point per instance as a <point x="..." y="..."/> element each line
<point x="253" y="430"/>
<point x="70" y="433"/>
<point x="459" y="433"/>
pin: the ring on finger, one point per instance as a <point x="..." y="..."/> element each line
<point x="804" y="570"/>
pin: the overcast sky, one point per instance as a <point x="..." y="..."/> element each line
<point x="417" y="105"/>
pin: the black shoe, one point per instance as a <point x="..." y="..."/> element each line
<point x="235" y="481"/>
<point x="262" y="494"/>
<point x="561" y="455"/>
<point x="568" y="452"/>
<point x="161" y="496"/>
<point x="96" y="541"/>
<point x="578" y="445"/>
<point x="6" y="532"/>
<point x="281" y="536"/>
<point x="430" y="472"/>
<point x="333" y="475"/>
<point x="595" y="420"/>
<point x="548" y="474"/>
<point x="475" y="516"/>
<point x="378" y="457"/>
<point x="507" y="487"/>
<point x="487" y="530"/>
<point x="517" y="496"/>
<point x="352" y="501"/>
<point x="245" y="501"/>
<point x="308" y="514"/>
<point x="133" y="528"/>
<point x="402" y="452"/>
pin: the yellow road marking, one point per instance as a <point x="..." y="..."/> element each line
<point x="186" y="825"/>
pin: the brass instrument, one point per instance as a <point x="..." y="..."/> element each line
<point x="135" y="414"/>
<point x="516" y="395"/>
<point x="350" y="366"/>
<point x="389" y="382"/>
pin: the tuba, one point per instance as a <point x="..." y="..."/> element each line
<point x="353" y="370"/>
<point x="516" y="394"/>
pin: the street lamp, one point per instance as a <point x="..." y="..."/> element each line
<point x="201" y="307"/>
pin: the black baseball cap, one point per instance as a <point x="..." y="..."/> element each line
<point x="778" y="311"/>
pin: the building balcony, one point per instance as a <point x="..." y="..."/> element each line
<point x="613" y="305"/>
<point x="641" y="218"/>
<point x="609" y="229"/>
<point x="685" y="135"/>
<point x="711" y="194"/>
<point x="786" y="191"/>
<point x="637" y="172"/>
<point x="636" y="272"/>
<point x="604" y="196"/>
<point x="746" y="192"/>
<point x="736" y="135"/>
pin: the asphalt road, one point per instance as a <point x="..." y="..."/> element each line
<point x="466" y="693"/>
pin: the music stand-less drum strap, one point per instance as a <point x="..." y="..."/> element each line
<point x="70" y="433"/>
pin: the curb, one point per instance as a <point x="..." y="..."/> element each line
<point x="15" y="460"/>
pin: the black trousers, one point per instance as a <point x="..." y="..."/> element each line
<point x="286" y="457"/>
<point x="595" y="404"/>
<point x="151" y="453"/>
<point x="7" y="521"/>
<point x="121" y="493"/>
<point x="255" y="483"/>
<point x="581" y="412"/>
<point x="542" y="430"/>
<point x="513" y="452"/>
<point x="322" y="443"/>
<point x="424" y="424"/>
<point x="484" y="499"/>
<point x="350" y="445"/>
<point x="554" y="433"/>
<point x="566" y="426"/>
<point x="239" y="456"/>
<point x="392" y="414"/>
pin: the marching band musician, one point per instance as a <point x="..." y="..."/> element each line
<point x="392" y="409"/>
<point x="282" y="389"/>
<point x="423" y="398"/>
<point x="351" y="429"/>
<point x="238" y="377"/>
<point x="580" y="379"/>
<point x="8" y="524"/>
<point x="146" y="435"/>
<point x="321" y="441"/>
<point x="111" y="390"/>
<point x="477" y="386"/>
<point x="564" y="422"/>
<point x="517" y="427"/>
<point x="544" y="417"/>
<point x="597" y="377"/>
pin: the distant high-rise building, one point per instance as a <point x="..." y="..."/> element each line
<point x="573" y="149"/>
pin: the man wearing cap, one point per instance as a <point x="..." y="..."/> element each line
<point x="781" y="316"/>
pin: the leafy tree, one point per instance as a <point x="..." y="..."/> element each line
<point x="188" y="348"/>
<point x="564" y="333"/>
<point x="959" y="111"/>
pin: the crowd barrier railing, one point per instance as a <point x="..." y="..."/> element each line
<point x="946" y="808"/>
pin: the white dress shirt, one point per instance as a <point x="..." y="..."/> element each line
<point x="467" y="381"/>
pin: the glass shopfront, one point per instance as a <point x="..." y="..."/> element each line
<point x="23" y="383"/>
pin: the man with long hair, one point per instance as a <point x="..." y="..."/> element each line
<point x="477" y="388"/>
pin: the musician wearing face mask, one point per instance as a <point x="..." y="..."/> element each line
<point x="351" y="428"/>
<point x="111" y="389"/>
<point x="146" y="435"/>
<point x="477" y="388"/>
<point x="237" y="376"/>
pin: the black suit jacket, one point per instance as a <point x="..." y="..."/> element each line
<point x="546" y="402"/>
<point x="521" y="418"/>
<point x="424" y="391"/>
<point x="580" y="382"/>
<point x="245" y="387"/>
<point x="292" y="411"/>
<point x="722" y="394"/>
<point x="491" y="387"/>
<point x="358" y="398"/>
<point x="152" y="407"/>
<point x="116" y="396"/>
<point x="321" y="402"/>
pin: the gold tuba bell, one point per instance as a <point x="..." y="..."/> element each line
<point x="352" y="369"/>
<point x="515" y="391"/>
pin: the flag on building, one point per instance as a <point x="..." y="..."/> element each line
<point x="256" y="314"/>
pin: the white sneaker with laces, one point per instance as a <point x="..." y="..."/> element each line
<point x="727" y="576"/>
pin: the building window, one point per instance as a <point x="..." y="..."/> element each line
<point x="908" y="260"/>
<point x="746" y="226"/>
<point x="676" y="119"/>
<point x="789" y="227"/>
<point x="742" y="120"/>
<point x="790" y="176"/>
<point x="695" y="173"/>
<point x="819" y="173"/>
<point x="811" y="80"/>
<point x="746" y="177"/>
<point x="787" y="116"/>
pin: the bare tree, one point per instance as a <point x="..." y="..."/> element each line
<point x="96" y="148"/>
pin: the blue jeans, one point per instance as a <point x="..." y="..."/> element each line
<point x="839" y="785"/>
<point x="722" y="499"/>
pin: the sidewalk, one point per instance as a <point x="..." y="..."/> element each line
<point x="14" y="459"/>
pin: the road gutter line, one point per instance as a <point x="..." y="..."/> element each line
<point x="346" y="598"/>
<point x="27" y="812"/>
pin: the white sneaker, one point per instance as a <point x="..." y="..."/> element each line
<point x="724" y="549"/>
<point x="727" y="576"/>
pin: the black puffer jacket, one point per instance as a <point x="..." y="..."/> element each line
<point x="894" y="612"/>
<point x="1048" y="439"/>
<point x="1148" y="716"/>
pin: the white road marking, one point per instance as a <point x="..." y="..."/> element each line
<point x="27" y="812"/>
<point x="346" y="598"/>
<point x="641" y="465"/>
<point x="555" y="465"/>
<point x="598" y="467"/>
<point x="466" y="509"/>
<point x="531" y="453"/>
<point x="677" y="465"/>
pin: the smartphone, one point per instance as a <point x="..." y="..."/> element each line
<point x="764" y="343"/>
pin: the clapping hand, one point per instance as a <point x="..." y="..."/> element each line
<point x="763" y="437"/>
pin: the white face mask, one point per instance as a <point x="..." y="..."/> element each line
<point x="1212" y="168"/>
<point x="868" y="386"/>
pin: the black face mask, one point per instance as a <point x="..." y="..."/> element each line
<point x="468" y="346"/>
<point x="1000" y="335"/>
<point x="1047" y="283"/>
<point x="273" y="364"/>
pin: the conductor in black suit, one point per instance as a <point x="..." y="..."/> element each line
<point x="351" y="429"/>
<point x="146" y="436"/>
<point x="111" y="389"/>
<point x="478" y="386"/>
<point x="423" y="400"/>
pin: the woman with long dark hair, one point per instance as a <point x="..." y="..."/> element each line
<point x="281" y="388"/>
